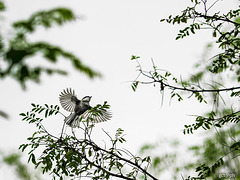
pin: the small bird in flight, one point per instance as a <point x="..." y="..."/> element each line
<point x="80" y="108"/>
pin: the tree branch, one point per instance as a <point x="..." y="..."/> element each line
<point x="216" y="18"/>
<point x="187" y="89"/>
<point x="123" y="159"/>
<point x="200" y="90"/>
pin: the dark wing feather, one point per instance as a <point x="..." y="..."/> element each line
<point x="68" y="99"/>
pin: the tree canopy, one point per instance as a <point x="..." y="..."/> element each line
<point x="68" y="154"/>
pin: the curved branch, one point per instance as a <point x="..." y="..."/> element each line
<point x="110" y="173"/>
<point x="217" y="18"/>
<point x="123" y="159"/>
<point x="187" y="89"/>
<point x="200" y="90"/>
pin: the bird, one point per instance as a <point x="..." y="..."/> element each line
<point x="80" y="109"/>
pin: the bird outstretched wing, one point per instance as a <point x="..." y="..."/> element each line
<point x="68" y="99"/>
<point x="97" y="116"/>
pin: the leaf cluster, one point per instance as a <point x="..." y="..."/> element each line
<point x="68" y="155"/>
<point x="227" y="41"/>
<point x="14" y="160"/>
<point x="46" y="19"/>
<point x="210" y="120"/>
<point x="221" y="144"/>
<point x="205" y="171"/>
<point x="17" y="49"/>
<point x="30" y="116"/>
<point x="165" y="79"/>
<point x="225" y="30"/>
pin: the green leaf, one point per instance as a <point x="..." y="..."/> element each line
<point x="135" y="57"/>
<point x="46" y="113"/>
<point x="22" y="114"/>
<point x="135" y="85"/>
<point x="89" y="152"/>
<point x="214" y="34"/>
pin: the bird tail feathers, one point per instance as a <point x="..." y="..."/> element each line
<point x="72" y="120"/>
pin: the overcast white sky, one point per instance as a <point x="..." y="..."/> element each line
<point x="111" y="31"/>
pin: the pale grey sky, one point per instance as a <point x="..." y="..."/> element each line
<point x="111" y="31"/>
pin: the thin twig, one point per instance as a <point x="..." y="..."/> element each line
<point x="213" y="5"/>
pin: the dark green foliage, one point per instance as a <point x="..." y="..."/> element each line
<point x="208" y="84"/>
<point x="235" y="146"/>
<point x="18" y="49"/>
<point x="217" y="158"/>
<point x="227" y="41"/>
<point x="2" y="6"/>
<point x="67" y="155"/>
<point x="46" y="19"/>
<point x="22" y="170"/>
<point x="207" y="122"/>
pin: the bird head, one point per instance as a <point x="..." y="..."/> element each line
<point x="86" y="99"/>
